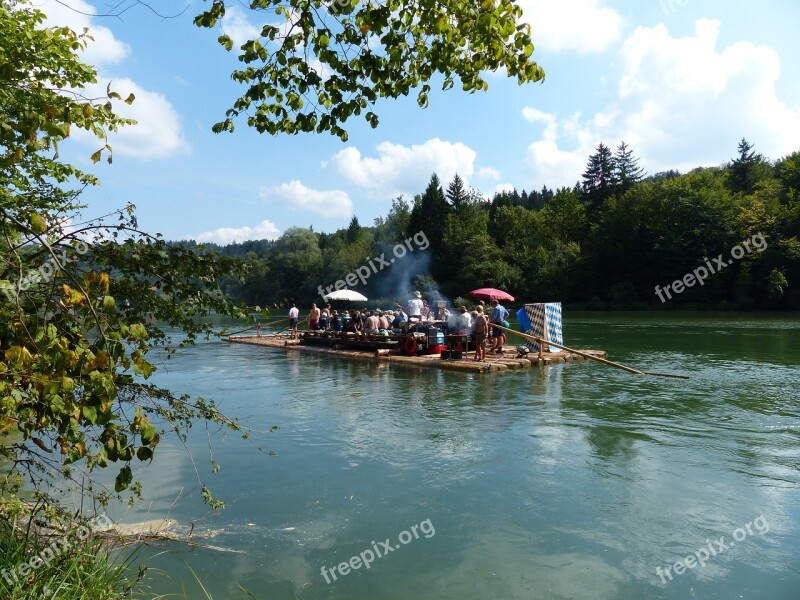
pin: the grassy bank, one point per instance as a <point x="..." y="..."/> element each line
<point x="69" y="566"/>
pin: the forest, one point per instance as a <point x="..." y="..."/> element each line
<point x="610" y="242"/>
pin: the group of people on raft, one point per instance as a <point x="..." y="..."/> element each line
<point x="477" y="323"/>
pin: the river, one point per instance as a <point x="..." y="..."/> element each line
<point x="569" y="481"/>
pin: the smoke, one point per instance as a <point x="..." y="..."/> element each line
<point x="397" y="282"/>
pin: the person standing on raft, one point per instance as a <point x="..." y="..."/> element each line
<point x="294" y="315"/>
<point x="499" y="316"/>
<point x="415" y="306"/>
<point x="313" y="317"/>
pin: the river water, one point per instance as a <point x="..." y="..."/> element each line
<point x="569" y="481"/>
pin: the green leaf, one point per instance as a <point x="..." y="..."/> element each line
<point x="89" y="413"/>
<point x="109" y="305"/>
<point x="148" y="434"/>
<point x="137" y="331"/>
<point x="226" y="42"/>
<point x="144" y="453"/>
<point x="124" y="479"/>
<point x="38" y="224"/>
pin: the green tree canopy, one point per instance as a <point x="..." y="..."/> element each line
<point x="82" y="301"/>
<point x="317" y="63"/>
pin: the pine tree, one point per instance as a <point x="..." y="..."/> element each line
<point x="353" y="230"/>
<point x="598" y="179"/>
<point x="456" y="193"/>
<point x="627" y="171"/>
<point x="429" y="214"/>
<point x="745" y="169"/>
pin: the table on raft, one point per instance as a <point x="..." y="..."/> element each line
<point x="508" y="360"/>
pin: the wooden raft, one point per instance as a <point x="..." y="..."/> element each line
<point x="494" y="362"/>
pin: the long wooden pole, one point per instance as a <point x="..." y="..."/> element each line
<point x="587" y="355"/>
<point x="268" y="323"/>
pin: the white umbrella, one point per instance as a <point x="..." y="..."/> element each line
<point x="351" y="295"/>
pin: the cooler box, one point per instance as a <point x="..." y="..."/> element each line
<point x="435" y="340"/>
<point x="542" y="320"/>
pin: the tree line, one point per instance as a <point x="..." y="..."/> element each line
<point x="605" y="243"/>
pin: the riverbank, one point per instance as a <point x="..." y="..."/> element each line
<point x="76" y="565"/>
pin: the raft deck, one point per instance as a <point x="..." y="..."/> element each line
<point x="494" y="362"/>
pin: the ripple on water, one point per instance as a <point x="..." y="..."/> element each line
<point x="571" y="481"/>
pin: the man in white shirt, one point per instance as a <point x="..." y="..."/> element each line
<point x="294" y="315"/>
<point x="415" y="306"/>
<point x="464" y="321"/>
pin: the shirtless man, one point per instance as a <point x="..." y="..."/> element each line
<point x="383" y="322"/>
<point x="372" y="324"/>
<point x="313" y="317"/>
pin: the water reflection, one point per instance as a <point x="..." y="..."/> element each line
<point x="570" y="481"/>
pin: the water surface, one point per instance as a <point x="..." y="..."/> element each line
<point x="569" y="481"/>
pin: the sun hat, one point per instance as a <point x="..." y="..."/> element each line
<point x="418" y="294"/>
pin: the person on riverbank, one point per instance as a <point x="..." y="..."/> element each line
<point x="313" y="317"/>
<point x="336" y="321"/>
<point x="294" y="315"/>
<point x="499" y="316"/>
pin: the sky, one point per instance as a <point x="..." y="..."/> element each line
<point x="680" y="81"/>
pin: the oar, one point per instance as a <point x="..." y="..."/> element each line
<point x="254" y="326"/>
<point x="590" y="356"/>
<point x="275" y="321"/>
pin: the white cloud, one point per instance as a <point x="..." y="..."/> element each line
<point x="534" y="115"/>
<point x="554" y="167"/>
<point x="582" y="26"/>
<point x="265" y="230"/>
<point x="488" y="173"/>
<point x="236" y="25"/>
<point x="105" y="49"/>
<point x="680" y="103"/>
<point x="503" y="187"/>
<point x="157" y="132"/>
<point x="328" y="203"/>
<point x="405" y="170"/>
